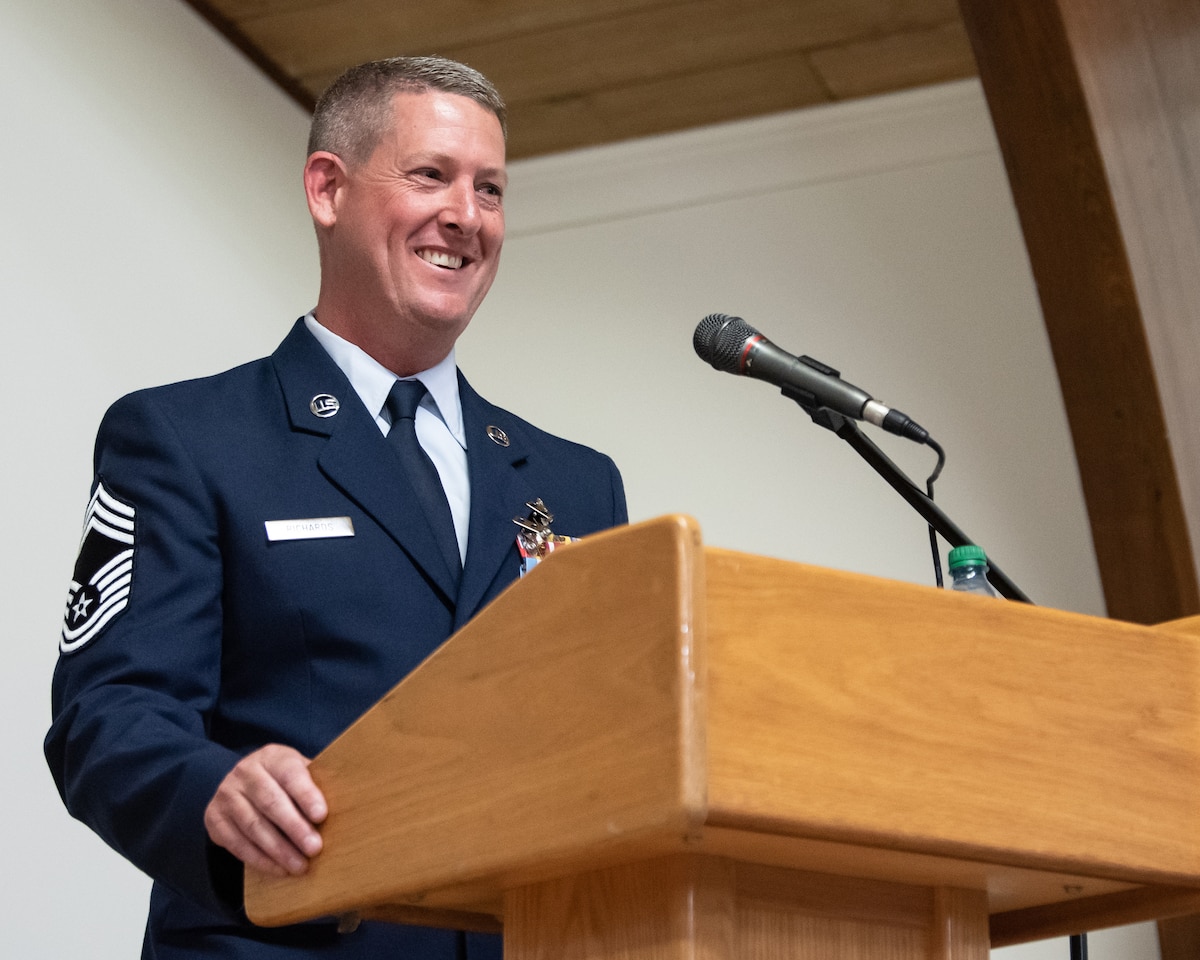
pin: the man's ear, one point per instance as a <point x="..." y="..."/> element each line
<point x="324" y="177"/>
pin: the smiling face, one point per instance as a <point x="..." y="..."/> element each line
<point x="410" y="239"/>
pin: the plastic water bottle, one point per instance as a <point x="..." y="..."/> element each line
<point x="968" y="571"/>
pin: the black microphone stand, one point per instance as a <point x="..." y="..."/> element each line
<point x="848" y="430"/>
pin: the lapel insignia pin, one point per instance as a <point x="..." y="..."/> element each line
<point x="536" y="540"/>
<point x="498" y="437"/>
<point x="324" y="405"/>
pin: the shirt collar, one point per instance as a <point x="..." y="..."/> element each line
<point x="372" y="380"/>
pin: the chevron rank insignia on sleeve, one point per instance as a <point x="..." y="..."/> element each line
<point x="99" y="588"/>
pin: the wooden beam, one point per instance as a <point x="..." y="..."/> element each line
<point x="1091" y="105"/>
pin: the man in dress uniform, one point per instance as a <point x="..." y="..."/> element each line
<point x="267" y="551"/>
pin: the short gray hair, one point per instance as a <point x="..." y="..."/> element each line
<point x="354" y="113"/>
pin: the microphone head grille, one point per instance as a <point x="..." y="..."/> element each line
<point x="719" y="340"/>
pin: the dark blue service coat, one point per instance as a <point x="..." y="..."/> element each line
<point x="209" y="640"/>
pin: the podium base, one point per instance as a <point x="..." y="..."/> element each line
<point x="710" y="908"/>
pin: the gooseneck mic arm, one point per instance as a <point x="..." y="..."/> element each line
<point x="916" y="498"/>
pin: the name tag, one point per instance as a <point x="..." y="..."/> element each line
<point x="315" y="528"/>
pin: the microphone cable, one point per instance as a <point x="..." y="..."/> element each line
<point x="933" y="541"/>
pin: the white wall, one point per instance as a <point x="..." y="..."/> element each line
<point x="878" y="237"/>
<point x="151" y="232"/>
<point x="156" y="230"/>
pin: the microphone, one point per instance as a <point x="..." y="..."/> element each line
<point x="731" y="344"/>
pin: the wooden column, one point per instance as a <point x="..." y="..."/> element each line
<point x="711" y="908"/>
<point x="1096" y="104"/>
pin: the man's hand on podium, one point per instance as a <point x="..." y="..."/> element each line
<point x="266" y="810"/>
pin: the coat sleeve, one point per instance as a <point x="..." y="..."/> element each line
<point x="620" y="510"/>
<point x="136" y="683"/>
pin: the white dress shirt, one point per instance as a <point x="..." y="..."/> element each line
<point x="439" y="422"/>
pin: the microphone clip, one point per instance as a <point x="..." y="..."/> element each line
<point x="821" y="416"/>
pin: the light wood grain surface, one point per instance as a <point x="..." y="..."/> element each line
<point x="561" y="722"/>
<point x="683" y="908"/>
<point x="640" y="699"/>
<point x="846" y="707"/>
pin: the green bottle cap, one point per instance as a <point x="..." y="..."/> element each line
<point x="967" y="554"/>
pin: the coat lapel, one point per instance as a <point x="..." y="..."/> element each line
<point x="357" y="458"/>
<point x="498" y="494"/>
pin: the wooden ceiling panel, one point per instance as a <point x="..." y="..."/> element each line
<point x="896" y="61"/>
<point x="240" y="10"/>
<point x="324" y="39"/>
<point x="642" y="46"/>
<point x="595" y="71"/>
<point x="672" y="103"/>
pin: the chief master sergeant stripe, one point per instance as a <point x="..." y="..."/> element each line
<point x="103" y="575"/>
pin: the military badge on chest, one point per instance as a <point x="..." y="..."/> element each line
<point x="99" y="589"/>
<point x="536" y="541"/>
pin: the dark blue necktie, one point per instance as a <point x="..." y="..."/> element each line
<point x="402" y="402"/>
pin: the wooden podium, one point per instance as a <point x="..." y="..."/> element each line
<point x="652" y="749"/>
